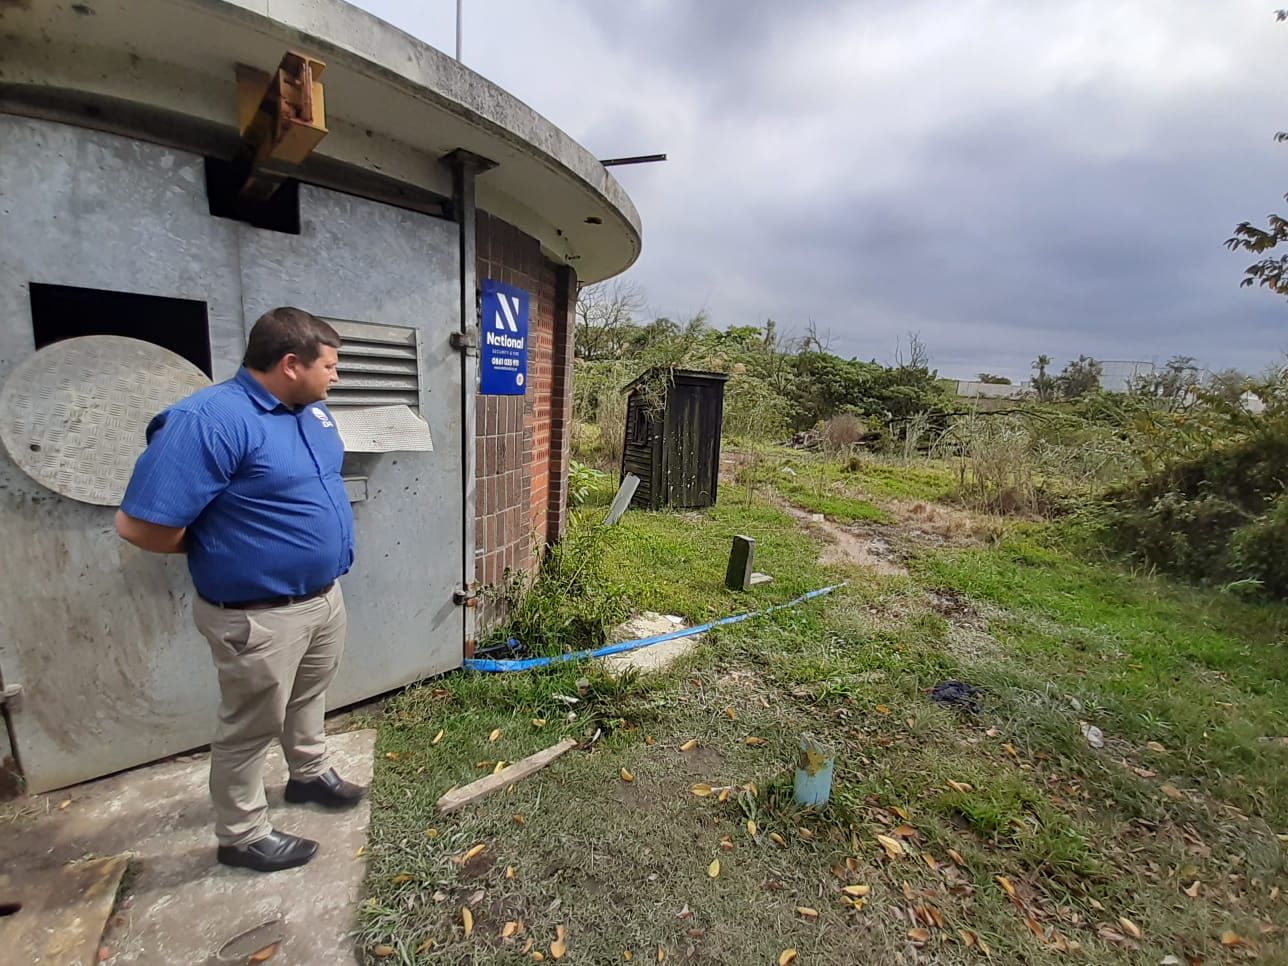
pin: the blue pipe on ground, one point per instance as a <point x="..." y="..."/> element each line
<point x="483" y="664"/>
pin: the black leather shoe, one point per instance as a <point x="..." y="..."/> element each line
<point x="327" y="789"/>
<point x="276" y="851"/>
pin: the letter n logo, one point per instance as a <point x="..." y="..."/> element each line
<point x="508" y="314"/>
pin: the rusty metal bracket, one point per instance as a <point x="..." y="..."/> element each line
<point x="282" y="117"/>
<point x="467" y="595"/>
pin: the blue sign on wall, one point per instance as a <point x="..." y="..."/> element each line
<point x="503" y="321"/>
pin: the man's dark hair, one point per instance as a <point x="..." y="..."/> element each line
<point x="287" y="331"/>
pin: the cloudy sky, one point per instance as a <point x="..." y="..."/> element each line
<point x="1005" y="177"/>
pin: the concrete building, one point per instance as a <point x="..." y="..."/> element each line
<point x="170" y="169"/>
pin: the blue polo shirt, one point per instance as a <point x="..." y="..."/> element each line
<point x="258" y="486"/>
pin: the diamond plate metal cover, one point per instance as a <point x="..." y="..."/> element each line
<point x="73" y="416"/>
<point x="382" y="429"/>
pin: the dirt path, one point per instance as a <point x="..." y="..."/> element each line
<point x="844" y="545"/>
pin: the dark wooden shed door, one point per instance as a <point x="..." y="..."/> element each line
<point x="691" y="445"/>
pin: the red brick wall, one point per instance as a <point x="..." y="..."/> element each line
<point x="522" y="441"/>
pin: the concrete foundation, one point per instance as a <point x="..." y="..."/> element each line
<point x="177" y="904"/>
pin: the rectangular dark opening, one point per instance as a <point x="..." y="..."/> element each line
<point x="281" y="212"/>
<point x="65" y="312"/>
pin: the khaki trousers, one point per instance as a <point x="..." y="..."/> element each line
<point x="274" y="668"/>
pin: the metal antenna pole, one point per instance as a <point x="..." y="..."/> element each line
<point x="458" y="30"/>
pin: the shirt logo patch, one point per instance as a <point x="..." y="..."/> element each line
<point x="320" y="413"/>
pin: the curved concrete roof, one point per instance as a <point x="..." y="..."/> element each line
<point x="394" y="105"/>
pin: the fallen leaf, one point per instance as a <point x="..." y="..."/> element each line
<point x="702" y="791"/>
<point x="1172" y="792"/>
<point x="777" y="839"/>
<point x="931" y="862"/>
<point x="431" y="833"/>
<point x="713" y="869"/>
<point x="499" y="765"/>
<point x="382" y="951"/>
<point x="893" y="847"/>
<point x="1156" y="746"/>
<point x="520" y="820"/>
<point x="269" y="951"/>
<point x="1010" y="749"/>
<point x="496" y="733"/>
<point x="626" y="776"/>
<point x="648" y="739"/>
<point x="905" y="832"/>
<point x="750" y="789"/>
<point x="962" y="787"/>
<point x="400" y="879"/>
<point x="538" y="956"/>
<point x="684" y="913"/>
<point x="467" y="920"/>
<point x="689" y="745"/>
<point x="626" y="955"/>
<point x="726" y="845"/>
<point x="425" y="945"/>
<point x="1130" y="928"/>
<point x="538" y="722"/>
<point x="805" y="833"/>
<point x="509" y="929"/>
<point x="465" y="857"/>
<point x="968" y="938"/>
<point x="392" y="754"/>
<point x="509" y="872"/>
<point x="787" y="957"/>
<point x="807" y="912"/>
<point x="1035" y="929"/>
<point x="919" y="935"/>
<point x="992" y="733"/>
<point x="362" y="849"/>
<point x="751" y="827"/>
<point x="64" y="803"/>
<point x="438" y="737"/>
<point x="1005" y="883"/>
<point x="723" y="796"/>
<point x="526" y="947"/>
<point x="856" y="891"/>
<point x="753" y="740"/>
<point x="730" y="714"/>
<point x="661" y="954"/>
<point x="1193" y="891"/>
<point x="557" y="949"/>
<point x="957" y="857"/>
<point x="882" y="709"/>
<point x="852" y="863"/>
<point x="1233" y="939"/>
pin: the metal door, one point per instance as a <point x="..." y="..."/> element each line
<point x="99" y="634"/>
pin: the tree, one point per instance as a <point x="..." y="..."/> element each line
<point x="991" y="380"/>
<point x="1229" y="385"/>
<point x="1272" y="271"/>
<point x="1043" y="384"/>
<point x="1079" y="378"/>
<point x="606" y="315"/>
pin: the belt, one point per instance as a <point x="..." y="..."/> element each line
<point x="265" y="603"/>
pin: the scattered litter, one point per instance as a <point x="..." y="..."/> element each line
<point x="787" y="471"/>
<point x="956" y="694"/>
<point x="817" y="518"/>
<point x="1095" y="737"/>
<point x="565" y="699"/>
<point x="758" y="578"/>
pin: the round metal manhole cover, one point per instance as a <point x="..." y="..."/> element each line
<point x="74" y="415"/>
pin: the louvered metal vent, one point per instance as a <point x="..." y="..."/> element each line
<point x="379" y="366"/>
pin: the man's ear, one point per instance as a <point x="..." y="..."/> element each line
<point x="289" y="365"/>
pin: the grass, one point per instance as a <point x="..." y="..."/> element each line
<point x="1083" y="838"/>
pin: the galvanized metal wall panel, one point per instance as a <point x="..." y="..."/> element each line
<point x="360" y="260"/>
<point x="100" y="634"/>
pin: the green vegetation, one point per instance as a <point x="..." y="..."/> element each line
<point x="1003" y="829"/>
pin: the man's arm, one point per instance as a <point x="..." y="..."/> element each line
<point x="151" y="536"/>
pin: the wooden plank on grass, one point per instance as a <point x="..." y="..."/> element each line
<point x="460" y="797"/>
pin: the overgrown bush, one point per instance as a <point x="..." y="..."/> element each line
<point x="569" y="606"/>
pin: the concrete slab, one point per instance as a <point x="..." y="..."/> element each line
<point x="654" y="657"/>
<point x="178" y="905"/>
<point x="53" y="917"/>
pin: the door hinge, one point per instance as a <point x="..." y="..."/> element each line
<point x="10" y="693"/>
<point x="467" y="595"/>
<point x="467" y="341"/>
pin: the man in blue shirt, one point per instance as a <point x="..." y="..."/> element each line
<point x="244" y="477"/>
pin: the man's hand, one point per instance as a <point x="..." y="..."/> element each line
<point x="150" y="536"/>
